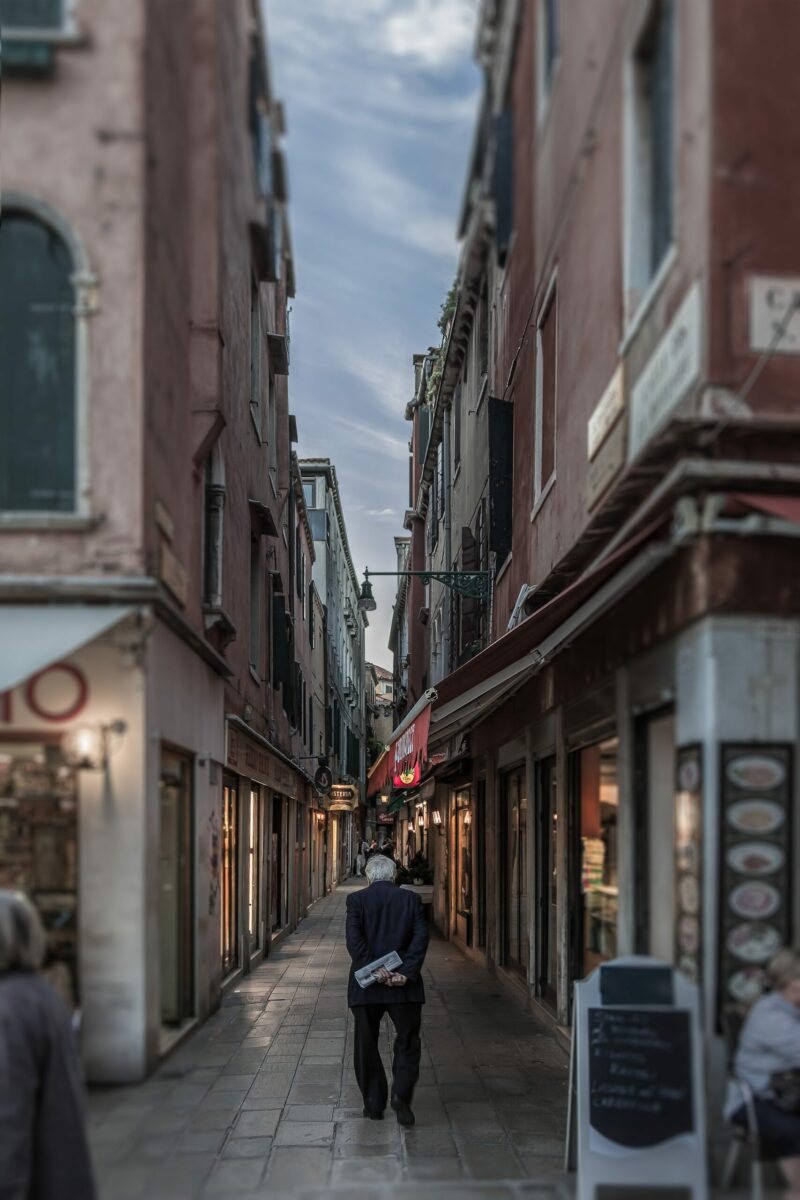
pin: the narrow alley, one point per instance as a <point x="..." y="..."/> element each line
<point x="262" y="1100"/>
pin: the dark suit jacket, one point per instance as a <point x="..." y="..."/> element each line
<point x="382" y="918"/>
<point x="44" y="1152"/>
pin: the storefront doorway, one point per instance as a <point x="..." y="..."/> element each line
<point x="229" y="882"/>
<point x="463" y="864"/>
<point x="546" y="881"/>
<point x="516" y="945"/>
<point x="280" y="863"/>
<point x="595" y="806"/>
<point x="39" y="847"/>
<point x="254" y="855"/>
<point x="175" y="888"/>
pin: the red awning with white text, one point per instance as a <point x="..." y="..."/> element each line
<point x="402" y="764"/>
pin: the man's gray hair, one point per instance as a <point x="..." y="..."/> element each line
<point x="23" y="942"/>
<point x="380" y="869"/>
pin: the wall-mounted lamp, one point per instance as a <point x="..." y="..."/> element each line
<point x="89" y="747"/>
<point x="384" y="797"/>
<point x="467" y="818"/>
<point x="436" y="816"/>
<point x="320" y="818"/>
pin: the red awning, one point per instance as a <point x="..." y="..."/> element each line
<point x="402" y="764"/>
<point x="785" y="508"/>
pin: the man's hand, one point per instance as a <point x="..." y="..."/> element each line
<point x="383" y="976"/>
<point x="396" y="980"/>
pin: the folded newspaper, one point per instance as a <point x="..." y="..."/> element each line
<point x="367" y="974"/>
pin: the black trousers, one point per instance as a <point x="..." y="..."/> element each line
<point x="407" y="1019"/>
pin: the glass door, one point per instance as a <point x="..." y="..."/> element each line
<point x="546" y="877"/>
<point x="229" y="877"/>
<point x="595" y="796"/>
<point x="276" y="888"/>
<point x="515" y="816"/>
<point x="254" y="870"/>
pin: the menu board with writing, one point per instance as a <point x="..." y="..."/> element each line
<point x="640" y="1075"/>
<point x="755" y="866"/>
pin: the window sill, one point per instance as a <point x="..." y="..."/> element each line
<point x="69" y="37"/>
<point x="255" y="415"/>
<point x="456" y="473"/>
<point x="545" y="492"/>
<point x="66" y="522"/>
<point x="647" y="301"/>
<point x="255" y="675"/>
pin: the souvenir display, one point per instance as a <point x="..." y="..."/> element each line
<point x="688" y="861"/>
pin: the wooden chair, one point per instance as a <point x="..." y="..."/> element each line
<point x="742" y="1135"/>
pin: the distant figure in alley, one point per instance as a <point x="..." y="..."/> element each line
<point x="44" y="1153"/>
<point x="382" y="918"/>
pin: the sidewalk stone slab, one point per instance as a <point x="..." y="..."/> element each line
<point x="262" y="1101"/>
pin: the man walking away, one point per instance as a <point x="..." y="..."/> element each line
<point x="382" y="918"/>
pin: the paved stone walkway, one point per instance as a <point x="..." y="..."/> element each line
<point x="262" y="1101"/>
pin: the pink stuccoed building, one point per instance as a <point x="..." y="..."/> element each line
<point x="155" y="553"/>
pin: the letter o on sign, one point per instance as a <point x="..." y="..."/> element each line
<point x="76" y="705"/>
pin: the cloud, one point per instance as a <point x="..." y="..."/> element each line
<point x="381" y="512"/>
<point x="368" y="435"/>
<point x="433" y="32"/>
<point x="390" y="203"/>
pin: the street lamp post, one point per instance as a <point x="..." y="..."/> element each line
<point x="475" y="585"/>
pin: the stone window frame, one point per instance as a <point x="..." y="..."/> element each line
<point x="85" y="284"/>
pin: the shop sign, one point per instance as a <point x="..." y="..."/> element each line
<point x="607" y="464"/>
<point x="756" y="861"/>
<point x="247" y="757"/>
<point x="173" y="575"/>
<point x="385" y="818"/>
<point x="343" y="791"/>
<point x="775" y="314"/>
<point x="57" y="694"/>
<point x="609" y="408"/>
<point x="671" y="371"/>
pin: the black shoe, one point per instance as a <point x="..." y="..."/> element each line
<point x="372" y="1116"/>
<point x="403" y="1109"/>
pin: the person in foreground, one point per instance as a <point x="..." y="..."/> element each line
<point x="382" y="918"/>
<point x="44" y="1152"/>
<point x="769" y="1043"/>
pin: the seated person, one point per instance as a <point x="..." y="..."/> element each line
<point x="770" y="1042"/>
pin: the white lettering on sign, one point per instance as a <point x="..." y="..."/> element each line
<point x="608" y="408"/>
<point x="404" y="745"/>
<point x="671" y="371"/>
<point x="775" y="314"/>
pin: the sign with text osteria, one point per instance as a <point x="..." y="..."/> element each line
<point x="609" y="407"/>
<point x="671" y="371"/>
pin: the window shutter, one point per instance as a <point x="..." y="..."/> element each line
<point x="280" y="642"/>
<point x="501" y="477"/>
<point x="423" y="431"/>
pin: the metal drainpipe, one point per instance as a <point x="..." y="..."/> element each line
<point x="448" y="538"/>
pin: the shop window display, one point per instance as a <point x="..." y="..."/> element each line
<point x="599" y="808"/>
<point x="39" y="848"/>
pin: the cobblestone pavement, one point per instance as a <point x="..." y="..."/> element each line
<point x="262" y="1101"/>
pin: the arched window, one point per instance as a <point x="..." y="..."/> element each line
<point x="39" y="415"/>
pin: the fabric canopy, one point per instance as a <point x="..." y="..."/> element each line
<point x="785" y="508"/>
<point x="401" y="765"/>
<point x="32" y="636"/>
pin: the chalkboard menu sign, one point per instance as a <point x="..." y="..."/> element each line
<point x="636" y="1119"/>
<point x="640" y="1075"/>
<point x="755" y="867"/>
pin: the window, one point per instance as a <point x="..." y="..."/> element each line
<point x="255" y="357"/>
<point x="483" y="334"/>
<point x="38" y="397"/>
<point x="299" y="563"/>
<point x="272" y="402"/>
<point x="260" y="132"/>
<point x="213" y="528"/>
<point x="650" y="153"/>
<point x="255" y="603"/>
<point x="457" y="402"/>
<point x="546" y="392"/>
<point x="44" y="15"/>
<point x="440" y="481"/>
<point x="308" y="493"/>
<point x="312" y="624"/>
<point x="548" y="50"/>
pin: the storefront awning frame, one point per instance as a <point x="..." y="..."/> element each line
<point x="35" y="636"/>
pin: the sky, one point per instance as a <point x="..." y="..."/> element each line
<point x="380" y="99"/>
